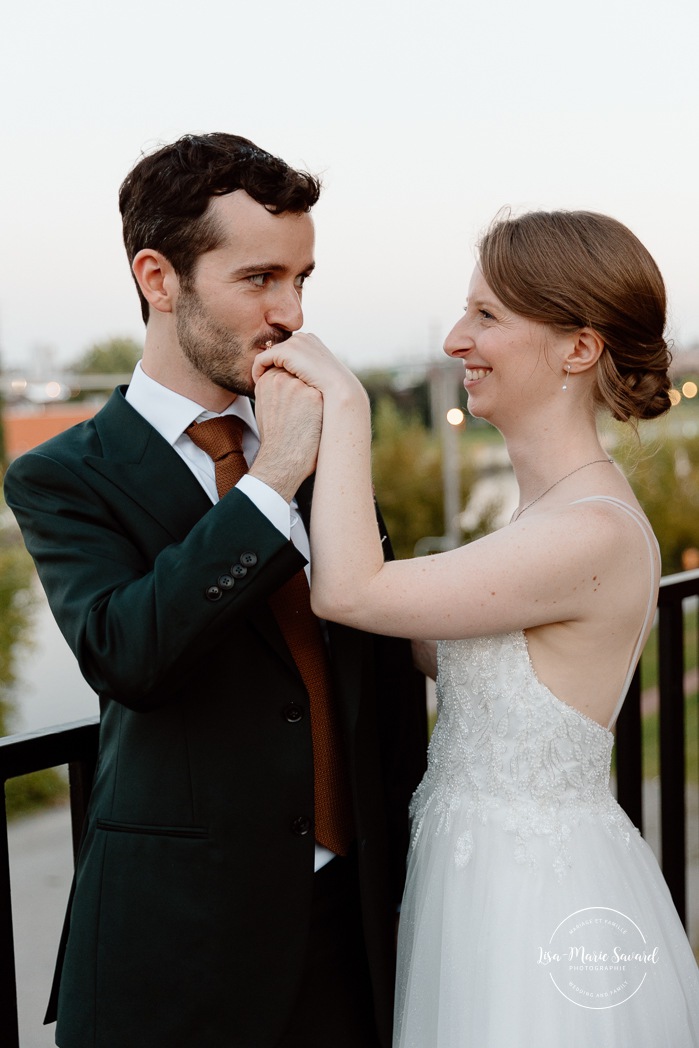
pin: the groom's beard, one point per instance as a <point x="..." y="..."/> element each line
<point x="216" y="352"/>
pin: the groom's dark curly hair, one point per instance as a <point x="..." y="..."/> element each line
<point x="164" y="199"/>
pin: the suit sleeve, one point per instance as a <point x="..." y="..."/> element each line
<point x="138" y="614"/>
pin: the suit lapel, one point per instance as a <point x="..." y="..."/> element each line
<point x="146" y="469"/>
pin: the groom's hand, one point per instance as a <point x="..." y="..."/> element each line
<point x="289" y="416"/>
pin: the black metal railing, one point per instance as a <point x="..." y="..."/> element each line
<point x="76" y="745"/>
<point x="672" y="694"/>
<point x="72" y="744"/>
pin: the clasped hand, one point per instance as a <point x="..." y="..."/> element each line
<point x="307" y="358"/>
<point x="296" y="381"/>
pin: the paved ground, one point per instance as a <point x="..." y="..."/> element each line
<point x="41" y="868"/>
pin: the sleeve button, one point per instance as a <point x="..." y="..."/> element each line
<point x="248" y="560"/>
<point x="292" y="713"/>
<point x="213" y="593"/>
<point x="238" y="571"/>
<point x="301" y="826"/>
<point x="226" y="582"/>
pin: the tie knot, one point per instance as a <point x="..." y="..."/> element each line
<point x="218" y="437"/>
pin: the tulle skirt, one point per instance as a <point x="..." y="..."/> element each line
<point x="501" y="948"/>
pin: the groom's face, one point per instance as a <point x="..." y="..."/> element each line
<point x="245" y="292"/>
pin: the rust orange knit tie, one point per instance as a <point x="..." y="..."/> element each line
<point x="222" y="439"/>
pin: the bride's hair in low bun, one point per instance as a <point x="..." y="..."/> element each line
<point x="574" y="269"/>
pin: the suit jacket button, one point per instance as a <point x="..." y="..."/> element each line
<point x="292" y="713"/>
<point x="238" y="571"/>
<point x="301" y="826"/>
<point x="248" y="560"/>
<point x="213" y="593"/>
<point x="226" y="581"/>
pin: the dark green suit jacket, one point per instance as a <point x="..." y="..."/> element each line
<point x="190" y="908"/>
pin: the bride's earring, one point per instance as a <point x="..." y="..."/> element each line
<point x="565" y="383"/>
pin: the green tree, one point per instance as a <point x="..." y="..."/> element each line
<point x="407" y="471"/>
<point x="114" y="356"/>
<point x="664" y="474"/>
<point x="410" y="393"/>
<point x="16" y="600"/>
<point x="15" y="579"/>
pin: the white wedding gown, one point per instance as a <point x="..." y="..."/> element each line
<point x="534" y="915"/>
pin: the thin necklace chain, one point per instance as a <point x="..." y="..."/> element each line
<point x="518" y="513"/>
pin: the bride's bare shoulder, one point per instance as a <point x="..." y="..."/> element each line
<point x="592" y="529"/>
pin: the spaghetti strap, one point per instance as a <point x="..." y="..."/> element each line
<point x="653" y="552"/>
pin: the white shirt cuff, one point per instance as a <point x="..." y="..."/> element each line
<point x="268" y="501"/>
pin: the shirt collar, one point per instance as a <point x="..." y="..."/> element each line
<point x="170" y="413"/>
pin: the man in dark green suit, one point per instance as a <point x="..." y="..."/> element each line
<point x="204" y="912"/>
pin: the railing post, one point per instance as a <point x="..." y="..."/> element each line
<point x="72" y="744"/>
<point x="629" y="754"/>
<point x="9" y="1022"/>
<point x="672" y="758"/>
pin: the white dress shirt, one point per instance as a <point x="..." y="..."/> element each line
<point x="170" y="414"/>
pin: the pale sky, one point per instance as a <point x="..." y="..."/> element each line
<point x="423" y="119"/>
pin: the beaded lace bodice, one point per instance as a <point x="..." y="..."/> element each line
<point x="505" y="749"/>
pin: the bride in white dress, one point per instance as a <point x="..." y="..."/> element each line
<point x="534" y="913"/>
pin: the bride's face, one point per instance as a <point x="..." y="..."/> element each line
<point x="512" y="363"/>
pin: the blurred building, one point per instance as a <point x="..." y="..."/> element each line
<point x="27" y="426"/>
